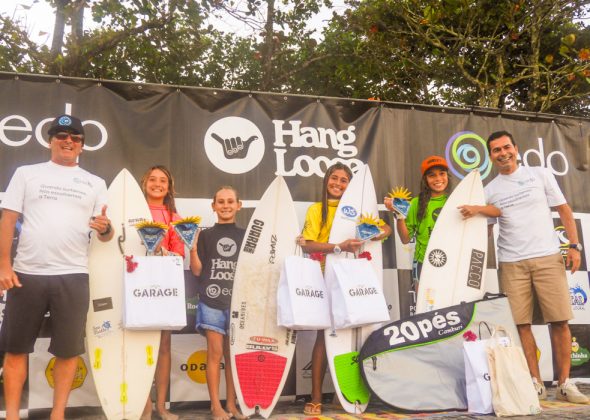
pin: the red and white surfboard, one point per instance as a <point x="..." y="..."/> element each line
<point x="262" y="352"/>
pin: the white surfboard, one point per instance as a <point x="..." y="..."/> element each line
<point x="123" y="361"/>
<point x="262" y="352"/>
<point x="342" y="346"/>
<point x="455" y="261"/>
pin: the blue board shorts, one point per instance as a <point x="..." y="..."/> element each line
<point x="212" y="319"/>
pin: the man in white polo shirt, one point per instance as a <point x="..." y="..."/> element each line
<point x="529" y="257"/>
<point x="61" y="204"/>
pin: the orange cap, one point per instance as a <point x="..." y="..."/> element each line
<point x="432" y="161"/>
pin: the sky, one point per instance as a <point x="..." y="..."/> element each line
<point x="37" y="16"/>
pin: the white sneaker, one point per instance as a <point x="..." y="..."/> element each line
<point x="568" y="391"/>
<point x="540" y="388"/>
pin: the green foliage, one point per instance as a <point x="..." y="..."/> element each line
<point x="517" y="54"/>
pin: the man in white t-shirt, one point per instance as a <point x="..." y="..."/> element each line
<point x="529" y="257"/>
<point x="60" y="204"/>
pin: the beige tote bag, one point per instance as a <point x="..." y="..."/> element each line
<point x="513" y="392"/>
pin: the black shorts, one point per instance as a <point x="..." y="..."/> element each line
<point x="66" y="298"/>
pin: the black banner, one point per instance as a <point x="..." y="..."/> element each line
<point x="213" y="137"/>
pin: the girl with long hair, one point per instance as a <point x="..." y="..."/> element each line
<point x="157" y="185"/>
<point x="425" y="208"/>
<point x="314" y="239"/>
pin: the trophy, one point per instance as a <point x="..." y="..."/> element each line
<point x="401" y="201"/>
<point x="187" y="229"/>
<point x="368" y="227"/>
<point x="151" y="234"/>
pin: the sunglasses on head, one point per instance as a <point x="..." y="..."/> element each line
<point x="76" y="138"/>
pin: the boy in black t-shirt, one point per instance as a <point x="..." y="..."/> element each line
<point x="214" y="260"/>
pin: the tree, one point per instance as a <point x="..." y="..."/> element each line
<point x="282" y="45"/>
<point x="170" y="42"/>
<point x="529" y="55"/>
<point x="17" y="51"/>
<point x="143" y="40"/>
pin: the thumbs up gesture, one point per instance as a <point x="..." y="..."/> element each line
<point x="102" y="225"/>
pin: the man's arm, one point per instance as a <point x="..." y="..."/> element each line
<point x="8" y="278"/>
<point x="487" y="211"/>
<point x="566" y="215"/>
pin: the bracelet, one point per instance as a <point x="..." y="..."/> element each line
<point x="107" y="231"/>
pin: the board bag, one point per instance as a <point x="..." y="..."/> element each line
<point x="417" y="363"/>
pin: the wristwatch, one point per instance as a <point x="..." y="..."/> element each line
<point x="579" y="247"/>
<point x="337" y="250"/>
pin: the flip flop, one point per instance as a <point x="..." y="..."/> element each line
<point x="312" y="409"/>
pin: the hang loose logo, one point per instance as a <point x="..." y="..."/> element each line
<point x="226" y="247"/>
<point x="234" y="145"/>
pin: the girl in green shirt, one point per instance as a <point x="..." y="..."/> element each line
<point x="424" y="209"/>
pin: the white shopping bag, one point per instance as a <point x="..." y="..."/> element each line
<point x="302" y="298"/>
<point x="154" y="294"/>
<point x="356" y="295"/>
<point x="477" y="377"/>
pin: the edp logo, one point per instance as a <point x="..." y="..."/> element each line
<point x="17" y="130"/>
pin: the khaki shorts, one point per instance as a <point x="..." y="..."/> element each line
<point x="546" y="277"/>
